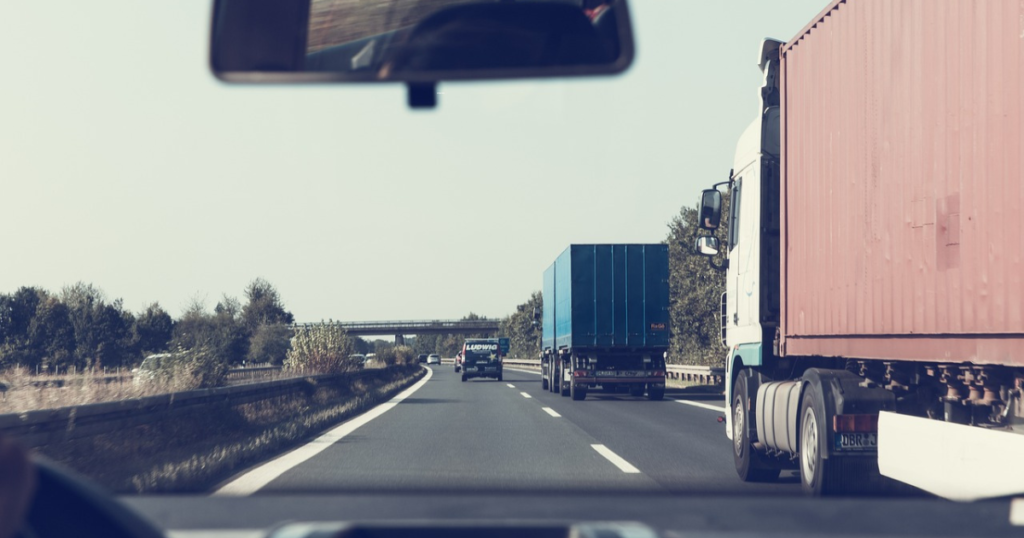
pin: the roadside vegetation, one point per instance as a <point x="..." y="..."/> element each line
<point x="193" y="452"/>
<point x="76" y="346"/>
<point x="695" y="291"/>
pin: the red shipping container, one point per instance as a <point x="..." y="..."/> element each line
<point x="902" y="182"/>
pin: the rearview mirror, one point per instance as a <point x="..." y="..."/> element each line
<point x="417" y="41"/>
<point x="710" y="209"/>
<point x="707" y="245"/>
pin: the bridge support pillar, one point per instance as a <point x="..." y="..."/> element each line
<point x="399" y="340"/>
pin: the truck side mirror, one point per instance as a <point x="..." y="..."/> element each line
<point x="707" y="245"/>
<point x="710" y="209"/>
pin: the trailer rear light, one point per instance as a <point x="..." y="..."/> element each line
<point x="659" y="373"/>
<point x="580" y="373"/>
<point x="855" y="423"/>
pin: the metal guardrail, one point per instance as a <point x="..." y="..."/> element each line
<point x="705" y="375"/>
<point x="46" y="426"/>
<point x="236" y="374"/>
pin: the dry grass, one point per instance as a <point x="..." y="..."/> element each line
<point x="192" y="453"/>
<point x="24" y="393"/>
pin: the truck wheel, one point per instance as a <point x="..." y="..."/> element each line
<point x="499" y="377"/>
<point x="463" y="378"/>
<point x="544" y="384"/>
<point x="579" y="392"/>
<point x="818" y="476"/>
<point x="748" y="462"/>
<point x="656" y="393"/>
<point x="636" y="390"/>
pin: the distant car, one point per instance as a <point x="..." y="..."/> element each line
<point x="434" y="359"/>
<point x="423" y="357"/>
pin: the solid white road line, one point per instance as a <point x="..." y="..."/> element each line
<point x="534" y="372"/>
<point x="525" y="395"/>
<point x="252" y="481"/>
<point x="616" y="460"/>
<point x="703" y="405"/>
<point x="510" y="385"/>
<point x="551" y="412"/>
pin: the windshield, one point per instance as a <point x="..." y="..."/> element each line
<point x="481" y="355"/>
<point x="170" y="235"/>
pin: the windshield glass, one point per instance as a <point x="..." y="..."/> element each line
<point x="171" y="240"/>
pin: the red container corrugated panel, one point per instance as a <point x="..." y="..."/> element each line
<point x="903" y="185"/>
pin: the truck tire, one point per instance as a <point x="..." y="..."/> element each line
<point x="749" y="466"/>
<point x="579" y="392"/>
<point x="544" y="384"/>
<point x="636" y="390"/>
<point x="656" y="393"/>
<point x="818" y="475"/>
<point x="463" y="377"/>
<point x="499" y="377"/>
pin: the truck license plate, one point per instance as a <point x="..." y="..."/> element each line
<point x="856" y="441"/>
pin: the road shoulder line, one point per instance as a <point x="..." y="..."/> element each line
<point x="255" y="479"/>
<point x="523" y="371"/>
<point x="701" y="405"/>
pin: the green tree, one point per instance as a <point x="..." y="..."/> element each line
<point x="425" y="343"/>
<point x="264" y="306"/>
<point x="152" y="330"/>
<point x="16" y="313"/>
<point x="696" y="289"/>
<point x="361" y="346"/>
<point x="102" y="330"/>
<point x="52" y="333"/>
<point x="223" y="331"/>
<point x="521" y="329"/>
<point x="270" y="343"/>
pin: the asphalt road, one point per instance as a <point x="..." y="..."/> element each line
<point x="486" y="451"/>
<point x="512" y="436"/>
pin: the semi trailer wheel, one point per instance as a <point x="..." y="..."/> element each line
<point x="818" y="475"/>
<point x="748" y="462"/>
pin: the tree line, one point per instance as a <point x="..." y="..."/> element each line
<point x="79" y="329"/>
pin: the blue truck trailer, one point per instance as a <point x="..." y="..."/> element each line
<point x="605" y="320"/>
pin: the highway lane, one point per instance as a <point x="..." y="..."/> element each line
<point x="682" y="447"/>
<point x="488" y="436"/>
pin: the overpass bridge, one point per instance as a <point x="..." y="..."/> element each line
<point x="399" y="329"/>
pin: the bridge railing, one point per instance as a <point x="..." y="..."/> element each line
<point x="410" y="324"/>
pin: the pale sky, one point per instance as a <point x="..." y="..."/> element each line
<point x="125" y="164"/>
